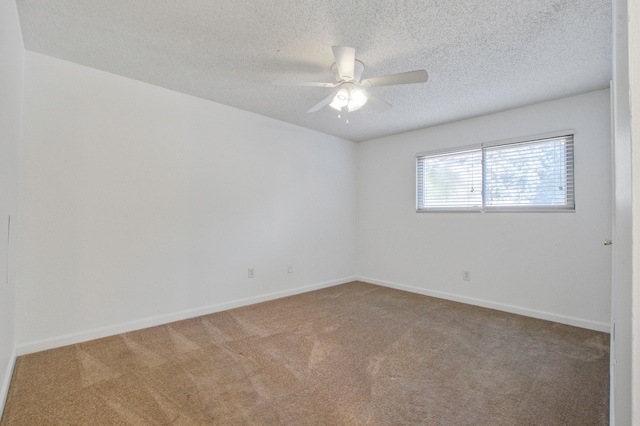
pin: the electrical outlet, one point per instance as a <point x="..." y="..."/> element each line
<point x="466" y="275"/>
<point x="290" y="268"/>
<point x="251" y="273"/>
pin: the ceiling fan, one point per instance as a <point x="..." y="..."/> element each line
<point x="352" y="94"/>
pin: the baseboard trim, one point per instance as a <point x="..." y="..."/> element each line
<point x="562" y="319"/>
<point x="6" y="382"/>
<point x="97" y="333"/>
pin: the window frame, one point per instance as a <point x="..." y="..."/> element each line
<point x="494" y="209"/>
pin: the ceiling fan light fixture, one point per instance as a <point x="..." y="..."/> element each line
<point x="347" y="71"/>
<point x="335" y="105"/>
<point x="341" y="99"/>
<point x="357" y="99"/>
<point x="342" y="95"/>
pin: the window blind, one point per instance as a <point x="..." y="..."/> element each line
<point x="533" y="175"/>
<point x="536" y="174"/>
<point x="451" y="181"/>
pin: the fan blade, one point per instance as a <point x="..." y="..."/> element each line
<point x="326" y="101"/>
<point x="301" y="83"/>
<point x="345" y="61"/>
<point x="419" y="76"/>
<point x="377" y="103"/>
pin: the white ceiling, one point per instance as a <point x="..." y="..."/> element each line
<point x="482" y="56"/>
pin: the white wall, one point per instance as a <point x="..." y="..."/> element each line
<point x="11" y="95"/>
<point x="547" y="265"/>
<point x="634" y="83"/>
<point x="621" y="291"/>
<point x="144" y="205"/>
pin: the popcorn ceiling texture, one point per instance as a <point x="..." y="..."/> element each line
<point x="482" y="56"/>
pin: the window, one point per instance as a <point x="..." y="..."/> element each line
<point x="532" y="175"/>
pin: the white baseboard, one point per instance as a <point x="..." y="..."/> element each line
<point x="6" y="381"/>
<point x="97" y="333"/>
<point x="562" y="319"/>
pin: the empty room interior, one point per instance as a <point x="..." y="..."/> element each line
<point x="282" y="212"/>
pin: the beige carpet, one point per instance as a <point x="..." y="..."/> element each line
<point x="355" y="354"/>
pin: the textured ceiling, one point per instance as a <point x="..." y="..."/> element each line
<point x="482" y="56"/>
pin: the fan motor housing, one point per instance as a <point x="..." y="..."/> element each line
<point x="358" y="67"/>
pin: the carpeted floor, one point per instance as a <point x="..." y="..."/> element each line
<point x="355" y="354"/>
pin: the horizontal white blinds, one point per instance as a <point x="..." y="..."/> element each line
<point x="531" y="175"/>
<point x="536" y="174"/>
<point x="450" y="181"/>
